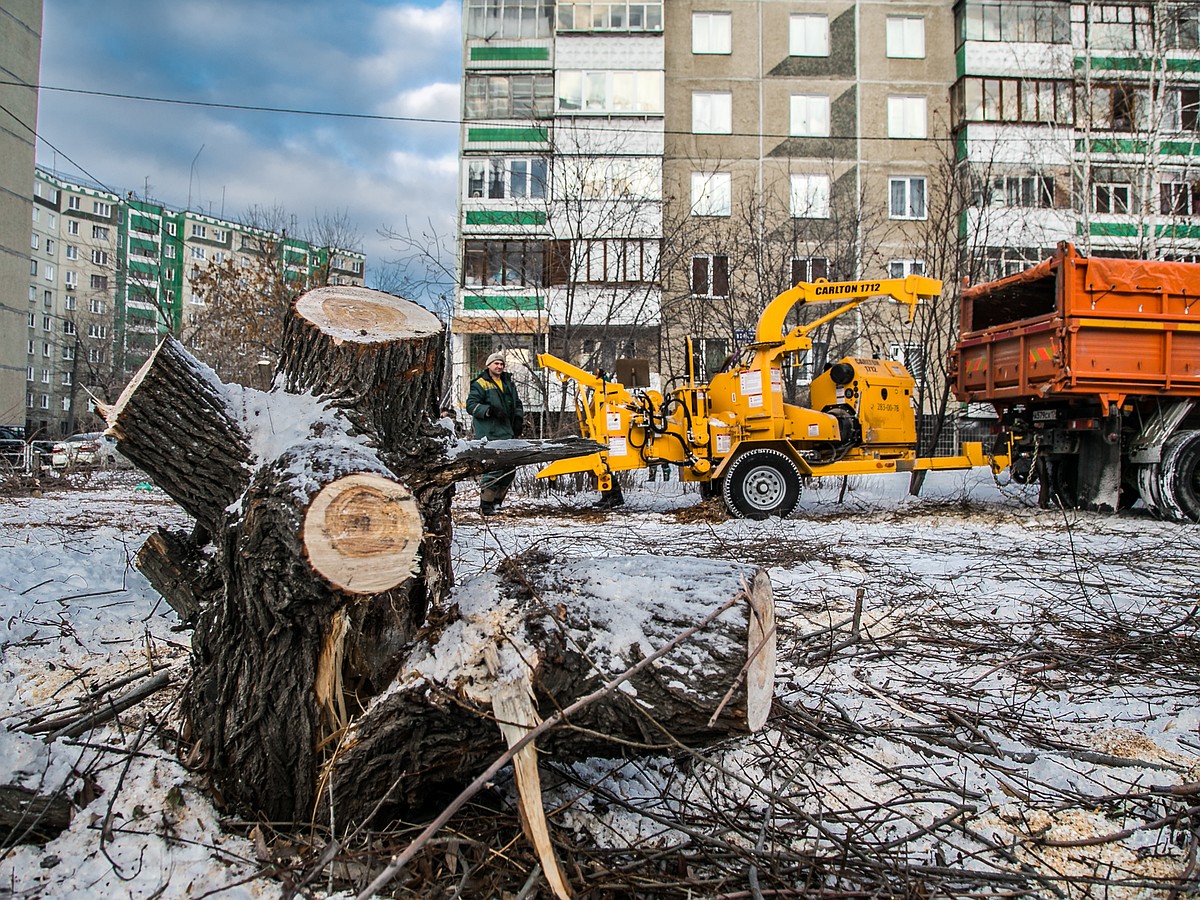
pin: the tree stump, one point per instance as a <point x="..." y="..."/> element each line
<point x="322" y="535"/>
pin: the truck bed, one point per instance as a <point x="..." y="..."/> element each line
<point x="1075" y="325"/>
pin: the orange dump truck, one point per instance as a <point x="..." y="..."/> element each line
<point x="1094" y="368"/>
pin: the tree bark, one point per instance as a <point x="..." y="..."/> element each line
<point x="561" y="625"/>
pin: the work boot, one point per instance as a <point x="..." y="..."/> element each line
<point x="487" y="508"/>
<point x="608" y="500"/>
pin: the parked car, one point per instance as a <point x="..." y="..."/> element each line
<point x="90" y="449"/>
<point x="12" y="447"/>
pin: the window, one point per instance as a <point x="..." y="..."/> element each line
<point x="45" y="349"/>
<point x="1112" y="26"/>
<point x="33" y="293"/>
<point x="616" y="261"/>
<point x="172" y="229"/>
<point x="1186" y="103"/>
<point x="33" y="320"/>
<point x="100" y="257"/>
<point x="609" y="93"/>
<point x="69" y="302"/>
<point x="712" y="112"/>
<point x="509" y="97"/>
<point x="68" y="326"/>
<point x="95" y="354"/>
<point x="220" y="235"/>
<point x="608" y="178"/>
<point x="97" y="331"/>
<point x="710" y="356"/>
<point x="47" y="323"/>
<point x="808" y="35"/>
<point x="1012" y="100"/>
<point x="33" y="267"/>
<point x="610" y="16"/>
<point x="810" y="115"/>
<point x="73" y="226"/>
<point x="99" y="282"/>
<point x="48" y="272"/>
<point x="71" y="280"/>
<point x="902" y="268"/>
<point x="199" y="253"/>
<point x="100" y="208"/>
<point x="199" y="231"/>
<point x="49" y="245"/>
<point x="30" y="373"/>
<point x="30" y="347"/>
<point x="712" y="193"/>
<point x="906" y="198"/>
<point x="1023" y="22"/>
<point x="809" y="268"/>
<point x="1029" y="191"/>
<point x="45" y="403"/>
<point x="73" y="202"/>
<point x="809" y="197"/>
<point x="72" y="252"/>
<point x="501" y="178"/>
<point x="100" y="232"/>
<point x="912" y="357"/>
<point x="1179" y="198"/>
<point x="218" y="257"/>
<point x="96" y="305"/>
<point x="1183" y="27"/>
<point x="906" y="117"/>
<point x="45" y="376"/>
<point x="712" y="32"/>
<point x="48" y="297"/>
<point x="710" y="276"/>
<point x="66" y="377"/>
<point x="169" y="251"/>
<point x="1110" y="198"/>
<point x="515" y="263"/>
<point x="508" y="18"/>
<point x="34" y="240"/>
<point x="906" y="37"/>
<point x="68" y="351"/>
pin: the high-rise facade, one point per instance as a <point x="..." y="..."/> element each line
<point x="689" y="160"/>
<point x="1081" y="122"/>
<point x="109" y="276"/>
<point x="20" y="63"/>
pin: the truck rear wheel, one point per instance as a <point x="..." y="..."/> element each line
<point x="761" y="483"/>
<point x="1179" y="477"/>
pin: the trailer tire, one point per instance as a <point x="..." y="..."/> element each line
<point x="761" y="483"/>
<point x="1179" y="477"/>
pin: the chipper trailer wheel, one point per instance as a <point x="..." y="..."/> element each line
<point x="761" y="483"/>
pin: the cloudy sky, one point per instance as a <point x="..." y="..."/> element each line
<point x="367" y="57"/>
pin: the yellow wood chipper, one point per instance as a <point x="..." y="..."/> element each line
<point x="737" y="436"/>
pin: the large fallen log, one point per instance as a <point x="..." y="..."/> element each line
<point x="568" y="627"/>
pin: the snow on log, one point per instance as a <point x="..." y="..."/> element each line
<point x="175" y="422"/>
<point x="376" y="357"/>
<point x="570" y="627"/>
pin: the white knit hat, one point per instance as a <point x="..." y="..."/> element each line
<point x="498" y="356"/>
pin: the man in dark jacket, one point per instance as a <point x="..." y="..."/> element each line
<point x="498" y="415"/>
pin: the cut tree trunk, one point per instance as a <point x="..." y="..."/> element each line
<point x="569" y="627"/>
<point x="322" y="536"/>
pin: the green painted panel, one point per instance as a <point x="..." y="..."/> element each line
<point x="1139" y="147"/>
<point x="143" y="268"/>
<point x="960" y="60"/>
<point x="1113" y="229"/>
<point x="502" y="302"/>
<point x="508" y="135"/>
<point x="505" y="217"/>
<point x="1178" y="231"/>
<point x="1136" y="64"/>
<point x="509" y="53"/>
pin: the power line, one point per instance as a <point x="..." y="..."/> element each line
<point x="38" y="137"/>
<point x="624" y="127"/>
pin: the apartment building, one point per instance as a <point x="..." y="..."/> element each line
<point x="1078" y="121"/>
<point x="802" y="139"/>
<point x="561" y="195"/>
<point x="21" y="38"/>
<point x="688" y="161"/>
<point x="109" y="276"/>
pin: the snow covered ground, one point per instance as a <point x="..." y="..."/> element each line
<point x="971" y="692"/>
